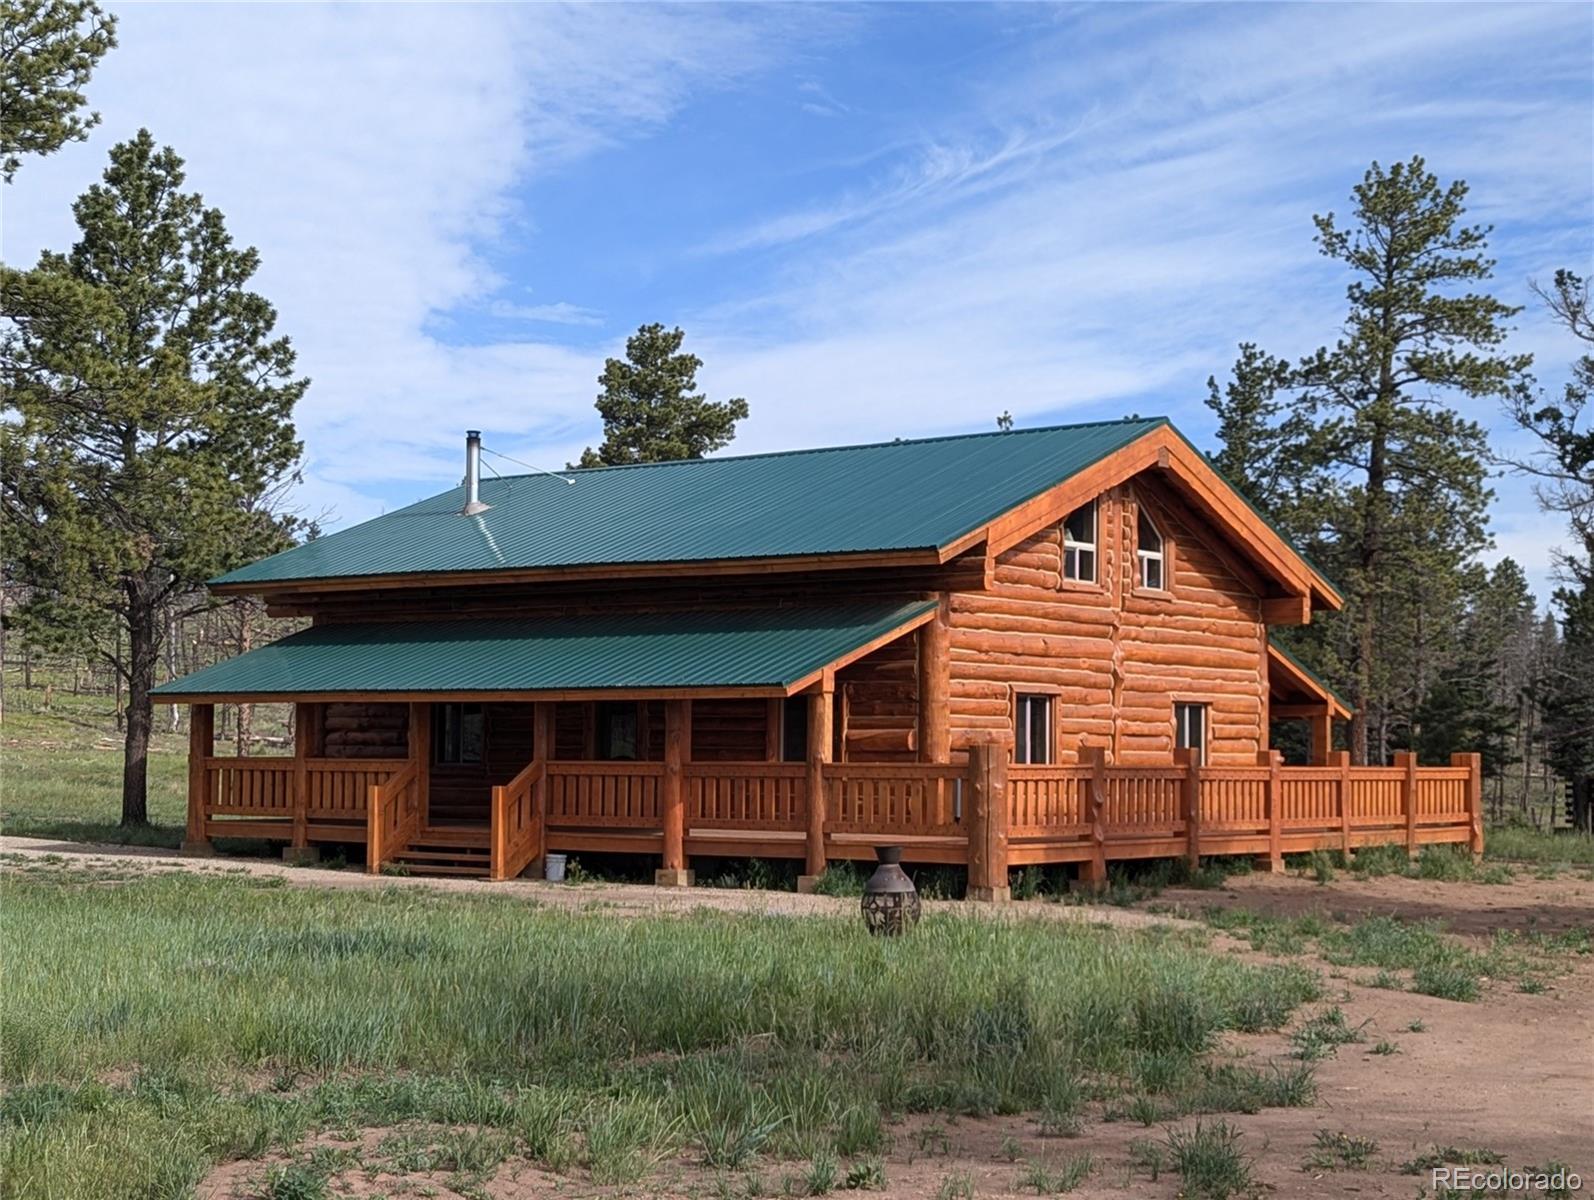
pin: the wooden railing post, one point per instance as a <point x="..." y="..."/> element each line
<point x="1093" y="871"/>
<point x="1342" y="798"/>
<point x="1473" y="761"/>
<point x="677" y="736"/>
<point x="201" y="746"/>
<point x="1274" y="761"/>
<point x="1406" y="760"/>
<point x="1190" y="804"/>
<point x="498" y="832"/>
<point x="299" y="849"/>
<point x="821" y="731"/>
<point x="987" y="822"/>
<point x="374" y="799"/>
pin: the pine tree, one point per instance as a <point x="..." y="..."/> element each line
<point x="48" y="49"/>
<point x="1254" y="445"/>
<point x="1568" y="696"/>
<point x="1398" y="482"/>
<point x="150" y="407"/>
<point x="651" y="409"/>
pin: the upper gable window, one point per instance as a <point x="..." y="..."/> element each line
<point x="1079" y="544"/>
<point x="1153" y="565"/>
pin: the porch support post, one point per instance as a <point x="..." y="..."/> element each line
<point x="201" y="745"/>
<point x="987" y="822"/>
<point x="1321" y="730"/>
<point x="299" y="850"/>
<point x="1406" y="760"/>
<point x="677" y="752"/>
<point x="821" y="731"/>
<point x="935" y="682"/>
<point x="541" y="751"/>
<point x="773" y="712"/>
<point x="420" y="743"/>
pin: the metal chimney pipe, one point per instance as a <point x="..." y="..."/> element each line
<point x="473" y="474"/>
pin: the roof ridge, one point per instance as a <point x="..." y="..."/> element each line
<point x="1150" y="422"/>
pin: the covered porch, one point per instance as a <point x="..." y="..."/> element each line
<point x="676" y="736"/>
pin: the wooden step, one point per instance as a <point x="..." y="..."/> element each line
<point x="453" y="835"/>
<point x="451" y="854"/>
<point x="444" y="869"/>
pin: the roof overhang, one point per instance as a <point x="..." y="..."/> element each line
<point x="744" y="653"/>
<point x="1294" y="691"/>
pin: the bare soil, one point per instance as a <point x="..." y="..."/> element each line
<point x="1512" y="1073"/>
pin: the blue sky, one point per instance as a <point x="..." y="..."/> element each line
<point x="872" y="221"/>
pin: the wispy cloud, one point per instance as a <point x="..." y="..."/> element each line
<point x="560" y="313"/>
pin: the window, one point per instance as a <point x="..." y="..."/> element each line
<point x="1150" y="551"/>
<point x="617" y="731"/>
<point x="794" y="729"/>
<point x="457" y="733"/>
<point x="1079" y="544"/>
<point x="1190" y="729"/>
<point x="1032" y="729"/>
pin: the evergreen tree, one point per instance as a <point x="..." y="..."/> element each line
<point x="1396" y="478"/>
<point x="651" y="409"/>
<point x="1254" y="445"/>
<point x="1566" y="464"/>
<point x="149" y="407"/>
<point x="48" y="49"/>
<point x="1568" y="696"/>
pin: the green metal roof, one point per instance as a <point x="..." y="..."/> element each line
<point x="1308" y="672"/>
<point x="704" y="649"/>
<point x="903" y="495"/>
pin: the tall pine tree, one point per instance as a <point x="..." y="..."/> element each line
<point x="1398" y="476"/>
<point x="151" y="404"/>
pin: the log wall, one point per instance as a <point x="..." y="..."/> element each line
<point x="366" y="731"/>
<point x="1115" y="657"/>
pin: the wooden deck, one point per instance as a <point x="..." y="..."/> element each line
<point x="987" y="814"/>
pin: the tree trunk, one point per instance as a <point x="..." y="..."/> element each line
<point x="1367" y="589"/>
<point x="143" y="654"/>
<point x="246" y="712"/>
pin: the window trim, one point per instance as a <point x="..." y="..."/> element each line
<point x="1092" y="547"/>
<point x="1020" y="702"/>
<point x="1143" y="556"/>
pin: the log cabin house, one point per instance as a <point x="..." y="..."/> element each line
<point x="1031" y="646"/>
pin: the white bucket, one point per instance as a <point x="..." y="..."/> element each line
<point x="553" y="868"/>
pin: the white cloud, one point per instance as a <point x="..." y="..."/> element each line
<point x="370" y="152"/>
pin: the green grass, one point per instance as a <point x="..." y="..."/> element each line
<point x="1515" y="843"/>
<point x="1211" y="1161"/>
<point x="156" y="1025"/>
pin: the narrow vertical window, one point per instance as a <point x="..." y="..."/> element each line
<point x="1079" y="544"/>
<point x="1032" y="729"/>
<point x="1152" y="564"/>
<point x="794" y="729"/>
<point x="1190" y="729"/>
<point x="617" y="731"/>
<point x="457" y="733"/>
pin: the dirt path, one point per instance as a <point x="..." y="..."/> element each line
<point x="1512" y="1073"/>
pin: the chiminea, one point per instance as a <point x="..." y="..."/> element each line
<point x="890" y="901"/>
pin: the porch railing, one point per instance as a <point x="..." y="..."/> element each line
<point x="517" y="825"/>
<point x="394" y="815"/>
